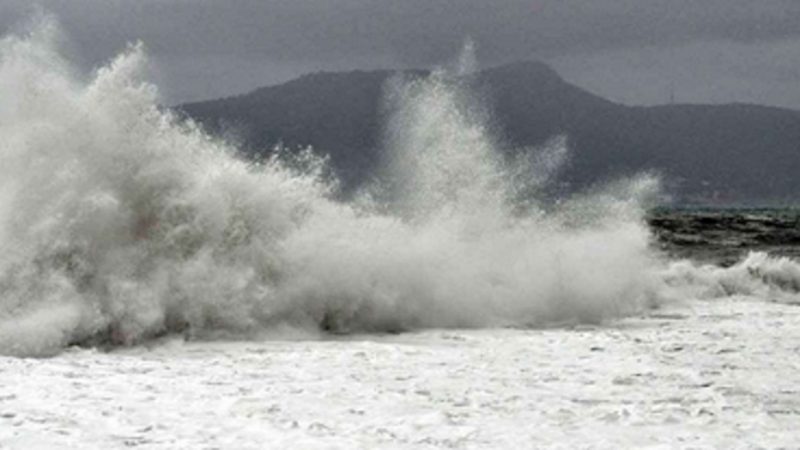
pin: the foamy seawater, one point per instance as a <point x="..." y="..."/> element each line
<point x="120" y="222"/>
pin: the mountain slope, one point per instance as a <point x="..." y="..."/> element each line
<point x="723" y="154"/>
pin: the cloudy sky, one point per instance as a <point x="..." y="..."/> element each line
<point x="632" y="51"/>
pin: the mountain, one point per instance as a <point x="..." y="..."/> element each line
<point x="710" y="154"/>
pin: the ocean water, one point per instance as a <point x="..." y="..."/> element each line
<point x="723" y="236"/>
<point x="120" y="222"/>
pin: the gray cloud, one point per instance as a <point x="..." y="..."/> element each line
<point x="765" y="72"/>
<point x="244" y="41"/>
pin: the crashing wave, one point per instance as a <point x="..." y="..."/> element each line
<point x="757" y="275"/>
<point x="119" y="222"/>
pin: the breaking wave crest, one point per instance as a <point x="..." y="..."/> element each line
<point x="119" y="222"/>
<point x="758" y="275"/>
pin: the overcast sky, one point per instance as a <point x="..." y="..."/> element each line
<point x="632" y="51"/>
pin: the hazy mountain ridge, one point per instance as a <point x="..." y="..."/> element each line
<point x="718" y="154"/>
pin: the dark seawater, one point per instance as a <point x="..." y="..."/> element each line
<point x="724" y="236"/>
